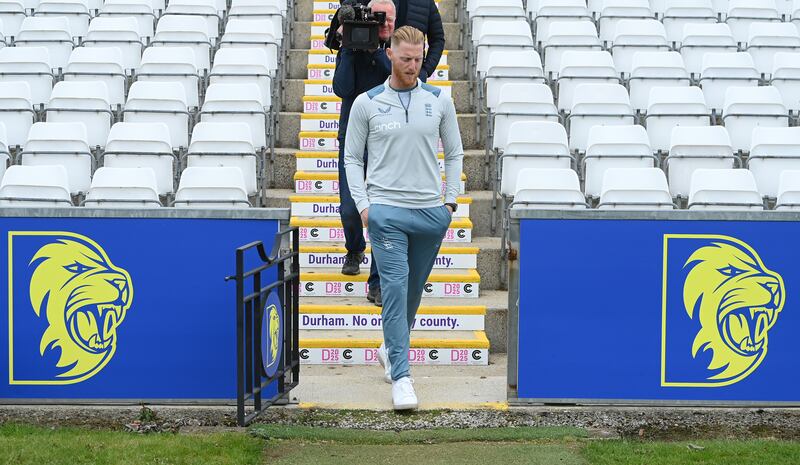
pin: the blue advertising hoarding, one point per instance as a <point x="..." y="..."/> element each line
<point x="658" y="310"/>
<point x="122" y="308"/>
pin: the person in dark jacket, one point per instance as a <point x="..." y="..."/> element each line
<point x="423" y="15"/>
<point x="358" y="71"/>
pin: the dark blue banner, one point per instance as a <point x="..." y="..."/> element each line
<point x="122" y="308"/>
<point x="659" y="310"/>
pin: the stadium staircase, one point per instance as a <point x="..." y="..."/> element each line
<point x="463" y="313"/>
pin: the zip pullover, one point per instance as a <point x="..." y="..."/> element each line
<point x="403" y="139"/>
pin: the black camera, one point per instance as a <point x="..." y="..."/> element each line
<point x="359" y="27"/>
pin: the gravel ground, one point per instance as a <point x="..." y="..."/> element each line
<point x="661" y="423"/>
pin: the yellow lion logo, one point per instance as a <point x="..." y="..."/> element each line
<point x="274" y="330"/>
<point x="85" y="298"/>
<point x="737" y="301"/>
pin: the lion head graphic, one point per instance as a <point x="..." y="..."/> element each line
<point x="84" y="298"/>
<point x="737" y="301"/>
<point x="274" y="333"/>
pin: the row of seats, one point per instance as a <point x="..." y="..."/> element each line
<point x="544" y="145"/>
<point x="139" y="145"/>
<point x="48" y="185"/>
<point x="88" y="102"/>
<point x="647" y="189"/>
<point x="744" y="109"/>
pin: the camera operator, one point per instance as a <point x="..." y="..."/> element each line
<point x="356" y="72"/>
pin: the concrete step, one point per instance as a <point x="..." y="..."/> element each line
<point x="302" y="32"/>
<point x="297" y="64"/>
<point x="330" y="230"/>
<point x="303" y="10"/>
<point x="328" y="205"/>
<point x="295" y="90"/>
<point x="320" y="347"/>
<point x="455" y="257"/>
<point x="330" y="282"/>
<point x="479" y="210"/>
<point x="495" y="302"/>
<point x="327" y="182"/>
<point x="290" y="160"/>
<point x="368" y="317"/>
<point x="291" y="123"/>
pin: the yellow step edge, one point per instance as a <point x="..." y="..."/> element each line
<point x="333" y="65"/>
<point x="316" y="154"/>
<point x="323" y="222"/>
<point x="468" y="276"/>
<point x="331" y="116"/>
<point x="323" y="11"/>
<point x="334" y="176"/>
<point x="320" y="23"/>
<point x="317" y="134"/>
<point x="321" y="98"/>
<point x="373" y="310"/>
<point x="462" y="199"/>
<point x="330" y="82"/>
<point x="342" y="249"/>
<point x="480" y="342"/>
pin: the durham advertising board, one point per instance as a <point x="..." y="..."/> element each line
<point x="659" y="310"/>
<point x="117" y="308"/>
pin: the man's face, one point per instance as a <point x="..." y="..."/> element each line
<point x="387" y="28"/>
<point x="406" y="62"/>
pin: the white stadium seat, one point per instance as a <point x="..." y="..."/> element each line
<point x="693" y="148"/>
<point x="788" y="191"/>
<point x="772" y="151"/>
<point x="614" y="11"/>
<point x="564" y="36"/>
<point x="61" y="144"/>
<point x="597" y="104"/>
<point x="749" y="107"/>
<point x="699" y="39"/>
<point x="142" y="145"/>
<point x="52" y="33"/>
<point x="786" y="78"/>
<point x="120" y="32"/>
<point x="99" y="64"/>
<point x="553" y="11"/>
<point x="249" y="33"/>
<point x="581" y="67"/>
<point x="225" y="144"/>
<point x="548" y="189"/>
<point x="16" y="111"/>
<point x="615" y="147"/>
<point x="520" y="102"/>
<point x="767" y="39"/>
<point x="5" y="154"/>
<point x="743" y="13"/>
<point x="494" y="11"/>
<point x="511" y="66"/>
<point x="123" y="188"/>
<point x="83" y="102"/>
<point x="633" y="36"/>
<point x="231" y="103"/>
<point x="723" y="70"/>
<point x="171" y="64"/>
<point x="140" y="10"/>
<point x="259" y="9"/>
<point x="151" y="102"/>
<point x="204" y="9"/>
<point x="185" y="31"/>
<point x="678" y="13"/>
<point x="669" y="107"/>
<point x="31" y="65"/>
<point x="634" y="189"/>
<point x="211" y="187"/>
<point x="75" y="11"/>
<point x="724" y="189"/>
<point x="12" y="12"/>
<point x="501" y="35"/>
<point x="533" y="144"/>
<point x="243" y="65"/>
<point x="35" y="186"/>
<point x="655" y="69"/>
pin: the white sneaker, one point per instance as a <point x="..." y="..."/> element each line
<point x="383" y="359"/>
<point x="403" y="395"/>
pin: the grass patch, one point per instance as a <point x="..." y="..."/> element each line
<point x="427" y="436"/>
<point x="22" y="445"/>
<point x="466" y="453"/>
<point x="717" y="452"/>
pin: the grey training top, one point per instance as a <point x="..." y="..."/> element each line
<point x="403" y="141"/>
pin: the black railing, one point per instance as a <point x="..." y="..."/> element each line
<point x="267" y="339"/>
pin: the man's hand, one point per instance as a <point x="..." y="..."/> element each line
<point x="449" y="208"/>
<point x="365" y="217"/>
